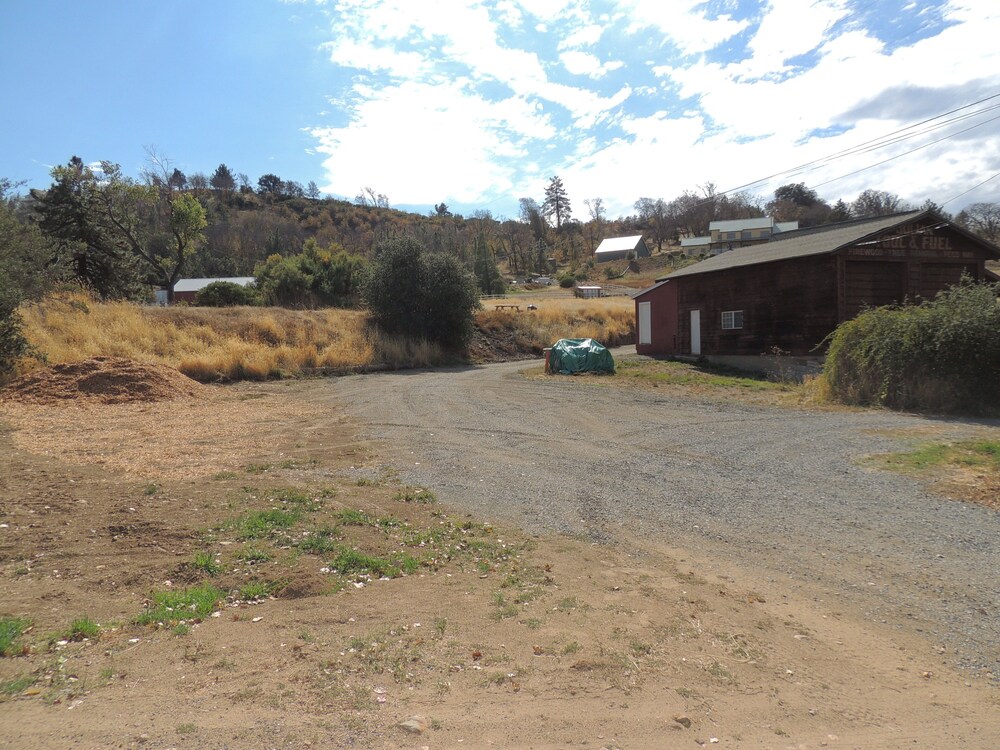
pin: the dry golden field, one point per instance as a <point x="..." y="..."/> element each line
<point x="252" y="343"/>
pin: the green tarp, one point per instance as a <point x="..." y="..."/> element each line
<point x="570" y="356"/>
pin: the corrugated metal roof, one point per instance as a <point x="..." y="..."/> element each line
<point x="195" y="285"/>
<point x="695" y="241"/>
<point x="797" y="244"/>
<point x="735" y="225"/>
<point x="617" y="244"/>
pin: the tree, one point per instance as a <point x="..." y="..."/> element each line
<point x="531" y="214"/>
<point x="368" y="197"/>
<point x="441" y="209"/>
<point x="312" y="190"/>
<point x="423" y="295"/>
<point x="871" y="203"/>
<point x="796" y="202"/>
<point x="270" y="184"/>
<point x="27" y="271"/>
<point x="840" y="212"/>
<point x="654" y="215"/>
<point x="158" y="225"/>
<point x="484" y="267"/>
<point x="556" y="202"/>
<point x="69" y="214"/>
<point x="177" y="180"/>
<point x="982" y="219"/>
<point x="222" y="180"/>
<point x="198" y="182"/>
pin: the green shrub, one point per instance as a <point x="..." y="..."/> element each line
<point x="171" y="607"/>
<point x="942" y="355"/>
<point x="420" y="294"/>
<point x="11" y="629"/>
<point x="226" y="294"/>
<point x="567" y="280"/>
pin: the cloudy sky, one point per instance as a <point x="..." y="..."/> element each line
<point x="477" y="104"/>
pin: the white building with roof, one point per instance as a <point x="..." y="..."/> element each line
<point x="618" y="248"/>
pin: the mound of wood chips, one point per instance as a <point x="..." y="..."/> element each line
<point x="102" y="380"/>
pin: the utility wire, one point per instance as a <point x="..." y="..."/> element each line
<point x="970" y="189"/>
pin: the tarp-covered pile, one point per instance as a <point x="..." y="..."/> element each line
<point x="570" y="356"/>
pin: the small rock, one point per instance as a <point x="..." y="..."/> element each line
<point x="683" y="720"/>
<point x="414" y="725"/>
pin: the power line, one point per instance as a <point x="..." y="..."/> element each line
<point x="872" y="144"/>
<point x="970" y="189"/>
<point x="906" y="153"/>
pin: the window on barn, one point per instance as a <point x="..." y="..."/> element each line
<point x="747" y="234"/>
<point x="732" y="320"/>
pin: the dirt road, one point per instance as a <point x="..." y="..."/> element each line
<point x="764" y="493"/>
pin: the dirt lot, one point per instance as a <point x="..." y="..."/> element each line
<point x="552" y="601"/>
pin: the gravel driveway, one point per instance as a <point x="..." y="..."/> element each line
<point x="771" y="489"/>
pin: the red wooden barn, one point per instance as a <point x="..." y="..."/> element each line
<point x="790" y="293"/>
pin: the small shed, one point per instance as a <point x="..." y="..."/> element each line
<point x="588" y="292"/>
<point x="618" y="248"/>
<point x="185" y="290"/>
<point x="790" y="293"/>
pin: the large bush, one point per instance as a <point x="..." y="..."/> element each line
<point x="315" y="277"/>
<point x="420" y="294"/>
<point x="942" y="355"/>
<point x="226" y="294"/>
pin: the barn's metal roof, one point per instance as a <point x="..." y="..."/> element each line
<point x="737" y="225"/>
<point x="195" y="285"/>
<point x="798" y="244"/>
<point x="617" y="244"/>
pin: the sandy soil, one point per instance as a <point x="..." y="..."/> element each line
<point x="500" y="638"/>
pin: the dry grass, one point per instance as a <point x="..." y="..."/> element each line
<point x="207" y="344"/>
<point x="610" y="320"/>
<point x="252" y="343"/>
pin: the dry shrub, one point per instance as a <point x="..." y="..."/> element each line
<point x="398" y="351"/>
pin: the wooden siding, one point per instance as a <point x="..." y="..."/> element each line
<point x="790" y="304"/>
<point x="793" y="300"/>
<point x="663" y="320"/>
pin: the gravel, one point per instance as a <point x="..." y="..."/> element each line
<point x="775" y="490"/>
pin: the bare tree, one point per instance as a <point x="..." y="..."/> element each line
<point x="982" y="219"/>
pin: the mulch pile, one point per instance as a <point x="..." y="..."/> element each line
<point x="102" y="380"/>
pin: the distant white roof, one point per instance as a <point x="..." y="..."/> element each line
<point x="195" y="285"/>
<point x="737" y="225"/>
<point x="695" y="241"/>
<point x="618" y="244"/>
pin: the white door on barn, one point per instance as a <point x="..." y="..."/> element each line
<point x="645" y="323"/>
<point x="696" y="331"/>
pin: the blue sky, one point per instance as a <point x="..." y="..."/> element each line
<point x="478" y="104"/>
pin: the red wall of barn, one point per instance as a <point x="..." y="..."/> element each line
<point x="663" y="319"/>
<point x="790" y="304"/>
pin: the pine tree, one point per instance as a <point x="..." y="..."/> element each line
<point x="556" y="202"/>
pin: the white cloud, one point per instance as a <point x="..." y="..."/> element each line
<point x="417" y="140"/>
<point x="585" y="64"/>
<point x="681" y="21"/>
<point x="470" y="102"/>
